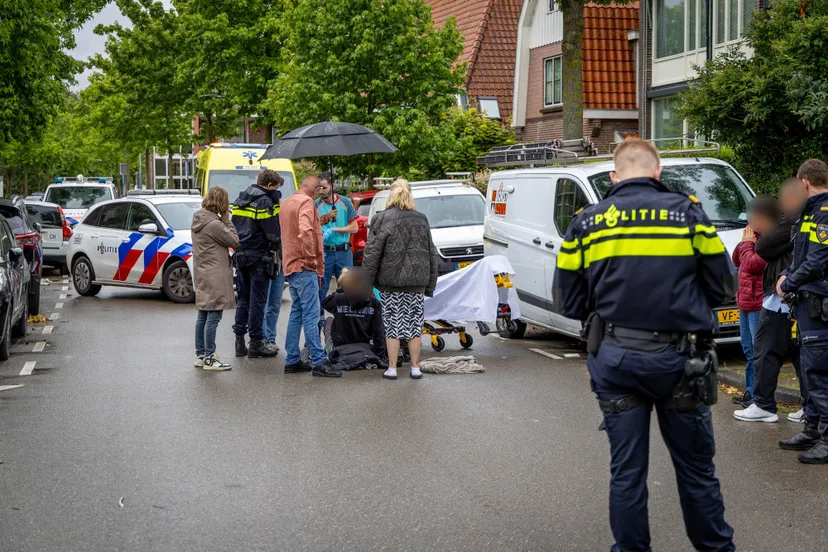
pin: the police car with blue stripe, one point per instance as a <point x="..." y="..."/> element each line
<point x="141" y="241"/>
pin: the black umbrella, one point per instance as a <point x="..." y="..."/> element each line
<point x="327" y="140"/>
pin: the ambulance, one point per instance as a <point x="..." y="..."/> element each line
<point x="235" y="167"/>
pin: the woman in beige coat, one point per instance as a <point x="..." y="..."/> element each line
<point x="213" y="236"/>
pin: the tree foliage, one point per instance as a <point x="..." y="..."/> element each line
<point x="772" y="108"/>
<point x="382" y="64"/>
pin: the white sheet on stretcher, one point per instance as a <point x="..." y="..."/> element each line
<point x="470" y="294"/>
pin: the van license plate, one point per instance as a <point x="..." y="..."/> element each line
<point x="464" y="265"/>
<point x="49" y="236"/>
<point x="728" y="317"/>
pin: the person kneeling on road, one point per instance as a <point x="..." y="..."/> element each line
<point x="213" y="235"/>
<point x="256" y="218"/>
<point x="304" y="267"/>
<point x="356" y="333"/>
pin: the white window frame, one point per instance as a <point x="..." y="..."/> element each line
<point x="552" y="6"/>
<point x="701" y="45"/>
<point x="486" y="113"/>
<point x="685" y="127"/>
<point x="545" y="80"/>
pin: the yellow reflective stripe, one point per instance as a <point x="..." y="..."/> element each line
<point x="628" y="230"/>
<point x="256" y="214"/>
<point x="276" y="209"/>
<point x="707" y="245"/>
<point x="807" y="227"/>
<point x="633" y="247"/>
<point x="570" y="244"/>
<point x="569" y="261"/>
<point x="243" y="213"/>
<point x="704" y="228"/>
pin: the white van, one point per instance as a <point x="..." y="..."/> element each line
<point x="76" y="196"/>
<point x="529" y="210"/>
<point x="455" y="213"/>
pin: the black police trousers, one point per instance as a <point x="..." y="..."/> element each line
<point x="252" y="285"/>
<point x="813" y="354"/>
<point x="616" y="373"/>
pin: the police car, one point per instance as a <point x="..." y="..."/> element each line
<point x="141" y="241"/>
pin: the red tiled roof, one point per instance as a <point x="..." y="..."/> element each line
<point x="608" y="58"/>
<point x="489" y="29"/>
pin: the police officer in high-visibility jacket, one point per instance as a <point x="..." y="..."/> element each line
<point x="807" y="281"/>
<point x="643" y="269"/>
<point x="256" y="218"/>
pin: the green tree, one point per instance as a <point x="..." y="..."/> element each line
<point x="772" y="108"/>
<point x="471" y="136"/>
<point x="35" y="68"/>
<point x="377" y="63"/>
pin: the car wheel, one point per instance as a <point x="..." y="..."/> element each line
<point x="21" y="328"/>
<point x="514" y="329"/>
<point x="178" y="283"/>
<point x="82" y="277"/>
<point x="34" y="296"/>
<point x="5" y="339"/>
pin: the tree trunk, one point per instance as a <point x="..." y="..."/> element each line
<point x="268" y="133"/>
<point x="148" y="173"/>
<point x="170" y="177"/>
<point x="210" y="137"/>
<point x="572" y="74"/>
<point x="25" y="181"/>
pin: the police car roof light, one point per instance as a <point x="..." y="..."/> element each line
<point x="166" y="192"/>
<point x="58" y="180"/>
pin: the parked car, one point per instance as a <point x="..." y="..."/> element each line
<point x="140" y="241"/>
<point x="76" y="197"/>
<point x="455" y="213"/>
<point x="15" y="280"/>
<point x="35" y="196"/>
<point x="362" y="204"/>
<point x="54" y="232"/>
<point x="27" y="233"/>
<point x="528" y="212"/>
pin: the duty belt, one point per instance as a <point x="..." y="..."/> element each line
<point x="643" y="335"/>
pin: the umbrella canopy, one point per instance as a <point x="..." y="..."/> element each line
<point x="328" y="139"/>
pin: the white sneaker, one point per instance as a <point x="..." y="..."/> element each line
<point x="797" y="417"/>
<point x="199" y="361"/>
<point x="755" y="414"/>
<point x="272" y="346"/>
<point x="213" y="363"/>
<point x="416" y="373"/>
<point x="391" y="373"/>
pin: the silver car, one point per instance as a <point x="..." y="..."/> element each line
<point x="54" y="231"/>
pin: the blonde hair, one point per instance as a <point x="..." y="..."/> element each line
<point x="636" y="155"/>
<point x="401" y="195"/>
<point x="217" y="200"/>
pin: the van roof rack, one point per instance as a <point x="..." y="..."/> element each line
<point x="165" y="192"/>
<point x="560" y="152"/>
<point x="442" y="182"/>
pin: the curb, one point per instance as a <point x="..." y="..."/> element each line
<point x="783" y="394"/>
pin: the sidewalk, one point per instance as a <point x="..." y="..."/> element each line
<point x="787" y="390"/>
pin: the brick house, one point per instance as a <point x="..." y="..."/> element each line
<point x="609" y="73"/>
<point x="489" y="29"/>
<point x="673" y="39"/>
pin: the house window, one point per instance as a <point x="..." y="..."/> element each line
<point x="489" y="107"/>
<point x="669" y="27"/>
<point x="463" y="102"/>
<point x="681" y="25"/>
<point x="666" y="123"/>
<point x="553" y="77"/>
<point x="552" y="6"/>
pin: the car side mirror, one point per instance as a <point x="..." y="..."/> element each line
<point x="148" y="228"/>
<point x="37" y="226"/>
<point x="15" y="254"/>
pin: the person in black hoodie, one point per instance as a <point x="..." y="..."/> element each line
<point x="357" y="318"/>
<point x="774" y="339"/>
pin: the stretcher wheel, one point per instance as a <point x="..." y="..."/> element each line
<point x="466" y="340"/>
<point x="438" y="343"/>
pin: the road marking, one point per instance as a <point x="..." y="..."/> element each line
<point x="572" y="355"/>
<point x="546" y="354"/>
<point x="62" y="296"/>
<point x="39" y="346"/>
<point x="7" y="387"/>
<point x="54" y="316"/>
<point x="58" y="305"/>
<point x="65" y="288"/>
<point x="28" y="368"/>
<point x="48" y="329"/>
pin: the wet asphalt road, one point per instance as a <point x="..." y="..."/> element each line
<point x="115" y="442"/>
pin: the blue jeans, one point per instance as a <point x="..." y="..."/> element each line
<point x="748" y="323"/>
<point x="304" y="313"/>
<point x="616" y="373"/>
<point x="205" y="332"/>
<point x="273" y="307"/>
<point x="335" y="261"/>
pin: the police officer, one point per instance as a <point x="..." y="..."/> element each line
<point x="807" y="280"/>
<point x="643" y="268"/>
<point x="256" y="218"/>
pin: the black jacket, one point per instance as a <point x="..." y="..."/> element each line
<point x="256" y="218"/>
<point x="809" y="268"/>
<point x="355" y="356"/>
<point x="356" y="321"/>
<point x="644" y="258"/>
<point x="400" y="255"/>
<point x="776" y="249"/>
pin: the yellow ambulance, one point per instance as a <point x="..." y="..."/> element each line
<point x="235" y="167"/>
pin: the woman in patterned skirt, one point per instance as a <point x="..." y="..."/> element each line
<point x="402" y="260"/>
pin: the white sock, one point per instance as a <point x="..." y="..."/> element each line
<point x="390" y="372"/>
<point x="415" y="371"/>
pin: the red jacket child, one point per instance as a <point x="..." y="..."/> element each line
<point x="751" y="267"/>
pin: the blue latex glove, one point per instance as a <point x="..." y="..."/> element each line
<point x="327" y="234"/>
